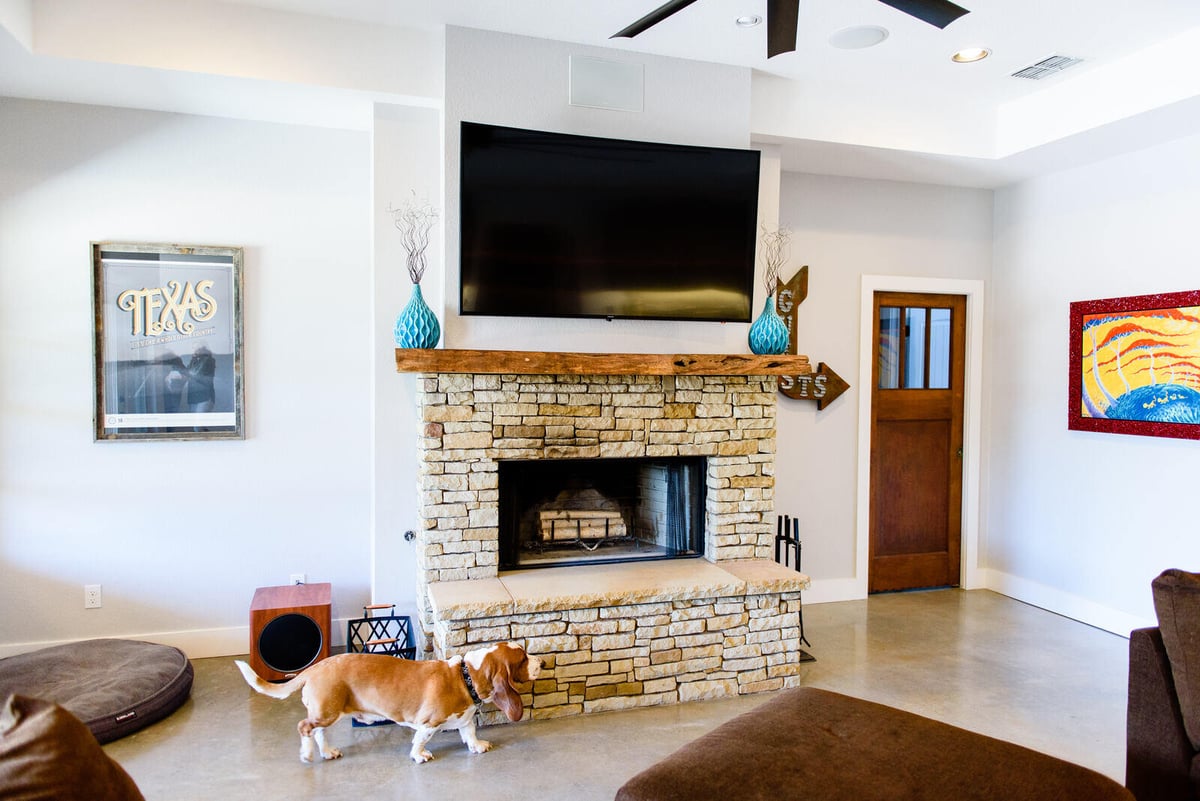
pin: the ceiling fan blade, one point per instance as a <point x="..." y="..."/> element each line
<point x="653" y="18"/>
<point x="782" y="17"/>
<point x="939" y="13"/>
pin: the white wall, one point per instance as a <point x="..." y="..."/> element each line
<point x="181" y="533"/>
<point x="16" y="16"/>
<point x="523" y="83"/>
<point x="244" y="40"/>
<point x="845" y="228"/>
<point x="1080" y="522"/>
<point x="407" y="152"/>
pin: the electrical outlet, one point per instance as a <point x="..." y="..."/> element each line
<point x="297" y="578"/>
<point x="91" y="596"/>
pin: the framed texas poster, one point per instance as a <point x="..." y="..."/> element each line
<point x="1135" y="365"/>
<point x="168" y="341"/>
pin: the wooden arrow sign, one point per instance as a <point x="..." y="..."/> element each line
<point x="824" y="385"/>
<point x="787" y="297"/>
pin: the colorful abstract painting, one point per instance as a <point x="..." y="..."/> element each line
<point x="1135" y="365"/>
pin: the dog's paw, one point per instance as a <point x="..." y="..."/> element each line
<point x="331" y="753"/>
<point x="421" y="756"/>
<point x="480" y="746"/>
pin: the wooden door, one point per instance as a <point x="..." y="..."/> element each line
<point x="916" y="441"/>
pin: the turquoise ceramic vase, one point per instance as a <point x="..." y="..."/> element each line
<point x="417" y="326"/>
<point x="769" y="334"/>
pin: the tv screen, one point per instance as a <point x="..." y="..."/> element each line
<point x="560" y="225"/>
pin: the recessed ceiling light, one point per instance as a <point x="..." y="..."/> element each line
<point x="970" y="54"/>
<point x="748" y="20"/>
<point x="858" y="37"/>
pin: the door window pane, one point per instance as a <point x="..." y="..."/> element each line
<point x="939" y="349"/>
<point x="890" y="335"/>
<point x="914" y="351"/>
<point x="914" y="347"/>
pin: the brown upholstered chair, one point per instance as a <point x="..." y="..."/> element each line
<point x="1162" y="732"/>
<point x="48" y="754"/>
<point x="1158" y="753"/>
<point x="808" y="743"/>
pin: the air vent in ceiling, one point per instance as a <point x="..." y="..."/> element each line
<point x="1047" y="66"/>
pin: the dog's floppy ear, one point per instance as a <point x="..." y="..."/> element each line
<point x="504" y="695"/>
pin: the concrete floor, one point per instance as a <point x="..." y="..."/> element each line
<point x="974" y="659"/>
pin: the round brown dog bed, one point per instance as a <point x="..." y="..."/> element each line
<point x="114" y="686"/>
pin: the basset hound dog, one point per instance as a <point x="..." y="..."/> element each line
<point x="428" y="695"/>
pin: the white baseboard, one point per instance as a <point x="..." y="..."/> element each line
<point x="1063" y="603"/>
<point x="825" y="591"/>
<point x="1024" y="590"/>
<point x="195" y="643"/>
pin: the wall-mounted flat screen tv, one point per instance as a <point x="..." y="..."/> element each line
<point x="560" y="225"/>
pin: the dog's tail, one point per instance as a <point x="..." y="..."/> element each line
<point x="267" y="688"/>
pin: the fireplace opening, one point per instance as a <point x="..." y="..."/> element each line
<point x="573" y="511"/>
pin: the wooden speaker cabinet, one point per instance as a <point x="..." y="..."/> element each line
<point x="289" y="629"/>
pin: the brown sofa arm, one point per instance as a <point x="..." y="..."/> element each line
<point x="1158" y="754"/>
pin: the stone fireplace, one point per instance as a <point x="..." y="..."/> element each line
<point x="610" y="635"/>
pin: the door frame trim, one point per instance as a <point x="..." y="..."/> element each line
<point x="970" y="575"/>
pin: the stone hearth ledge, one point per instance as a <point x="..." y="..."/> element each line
<point x="588" y="586"/>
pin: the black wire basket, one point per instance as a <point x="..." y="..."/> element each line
<point x="375" y="633"/>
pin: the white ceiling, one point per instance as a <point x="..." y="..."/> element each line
<point x="907" y="81"/>
<point x="915" y="57"/>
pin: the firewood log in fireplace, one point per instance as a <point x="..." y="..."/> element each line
<point x="558" y="525"/>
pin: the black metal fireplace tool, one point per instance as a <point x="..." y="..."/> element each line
<point x="787" y="550"/>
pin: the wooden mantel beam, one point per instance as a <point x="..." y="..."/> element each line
<point x="515" y="362"/>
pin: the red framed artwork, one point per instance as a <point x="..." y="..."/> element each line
<point x="1135" y="365"/>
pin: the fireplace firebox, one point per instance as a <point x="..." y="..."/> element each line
<point x="574" y="511"/>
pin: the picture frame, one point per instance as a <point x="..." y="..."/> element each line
<point x="1135" y="365"/>
<point x="167" y="350"/>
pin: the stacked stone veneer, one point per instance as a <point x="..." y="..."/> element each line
<point x="596" y="658"/>
<point x="608" y="651"/>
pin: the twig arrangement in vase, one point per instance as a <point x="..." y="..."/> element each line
<point x="769" y="334"/>
<point x="417" y="326"/>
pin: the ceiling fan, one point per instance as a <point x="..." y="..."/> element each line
<point x="782" y="16"/>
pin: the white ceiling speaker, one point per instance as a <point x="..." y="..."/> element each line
<point x="858" y="37"/>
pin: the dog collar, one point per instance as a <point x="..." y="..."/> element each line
<point x="470" y="684"/>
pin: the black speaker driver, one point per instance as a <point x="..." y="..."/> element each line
<point x="290" y="643"/>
